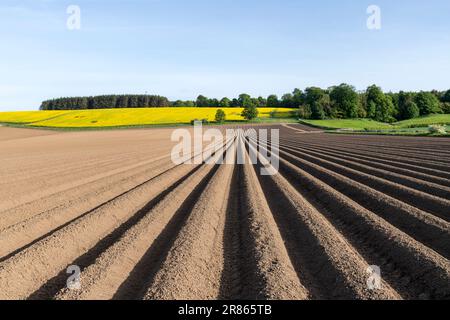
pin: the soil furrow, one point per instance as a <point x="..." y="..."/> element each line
<point x="267" y="272"/>
<point x="405" y="161"/>
<point x="77" y="238"/>
<point x="142" y="227"/>
<point x="427" y="187"/>
<point x="384" y="165"/>
<point x="101" y="277"/>
<point x="410" y="158"/>
<point x="28" y="229"/>
<point x="192" y="268"/>
<point x="332" y="268"/>
<point x="424" y="227"/>
<point x="435" y="205"/>
<point x="428" y="272"/>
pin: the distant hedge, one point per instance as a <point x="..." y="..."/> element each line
<point x="106" y="102"/>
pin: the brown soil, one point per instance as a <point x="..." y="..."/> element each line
<point x="139" y="227"/>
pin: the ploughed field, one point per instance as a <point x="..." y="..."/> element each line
<point x="140" y="227"/>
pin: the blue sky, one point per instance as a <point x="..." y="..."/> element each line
<point x="217" y="47"/>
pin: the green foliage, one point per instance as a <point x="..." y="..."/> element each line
<point x="407" y="108"/>
<point x="379" y="105"/>
<point x="446" y="97"/>
<point x="395" y="101"/>
<point x="213" y="103"/>
<point x="250" y="111"/>
<point x="273" y="102"/>
<point x="316" y="100"/>
<point x="317" y="112"/>
<point x="411" y="110"/>
<point x="345" y="99"/>
<point x="178" y="103"/>
<point x="304" y="112"/>
<point x="105" y="102"/>
<point x="255" y="102"/>
<point x="374" y="97"/>
<point x="362" y="106"/>
<point x="385" y="110"/>
<point x="287" y="100"/>
<point x="248" y="102"/>
<point x="371" y="109"/>
<point x="428" y="103"/>
<point x="298" y="97"/>
<point x="244" y="99"/>
<point x="234" y="103"/>
<point x="445" y="106"/>
<point x="202" y="101"/>
<point x="220" y="116"/>
<point x="133" y="102"/>
<point x="181" y="103"/>
<point x="262" y="102"/>
<point x="225" y="103"/>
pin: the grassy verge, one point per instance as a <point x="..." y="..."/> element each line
<point x="411" y="133"/>
<point x="273" y="120"/>
<point x="351" y="124"/>
<point x="442" y="119"/>
<point x="412" y="127"/>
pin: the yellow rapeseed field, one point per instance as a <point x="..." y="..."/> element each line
<point x="128" y="117"/>
<point x="29" y="116"/>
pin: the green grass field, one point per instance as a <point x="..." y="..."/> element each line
<point x="104" y="118"/>
<point x="443" y="119"/>
<point x="355" y="124"/>
<point x="362" y="124"/>
<point x="418" y="126"/>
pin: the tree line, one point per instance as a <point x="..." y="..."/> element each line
<point x="106" y="102"/>
<point x="342" y="101"/>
